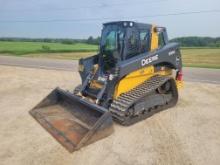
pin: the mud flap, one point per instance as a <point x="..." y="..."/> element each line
<point x="72" y="121"/>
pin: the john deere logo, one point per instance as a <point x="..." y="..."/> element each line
<point x="149" y="60"/>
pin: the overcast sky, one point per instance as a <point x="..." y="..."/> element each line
<point x="58" y="13"/>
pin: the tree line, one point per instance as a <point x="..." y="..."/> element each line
<point x="197" y="41"/>
<point x="184" y="41"/>
<point x="90" y="40"/>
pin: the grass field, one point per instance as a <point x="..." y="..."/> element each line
<point x="204" y="58"/>
<point x="63" y="55"/>
<point x="22" y="48"/>
<point x="192" y="57"/>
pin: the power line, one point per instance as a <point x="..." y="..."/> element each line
<point x="111" y="5"/>
<point x="90" y="7"/>
<point x="109" y="18"/>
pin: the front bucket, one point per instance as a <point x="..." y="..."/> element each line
<point x="72" y="121"/>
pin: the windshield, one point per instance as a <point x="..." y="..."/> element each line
<point x="112" y="45"/>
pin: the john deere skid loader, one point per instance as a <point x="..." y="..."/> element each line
<point x="136" y="74"/>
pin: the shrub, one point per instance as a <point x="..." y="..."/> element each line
<point x="45" y="48"/>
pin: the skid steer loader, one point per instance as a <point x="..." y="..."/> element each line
<point x="136" y="74"/>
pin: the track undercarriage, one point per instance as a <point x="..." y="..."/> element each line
<point x="148" y="98"/>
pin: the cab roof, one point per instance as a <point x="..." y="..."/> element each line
<point x="128" y="23"/>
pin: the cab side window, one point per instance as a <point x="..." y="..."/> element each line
<point x="144" y="41"/>
<point x="161" y="41"/>
<point x="132" y="44"/>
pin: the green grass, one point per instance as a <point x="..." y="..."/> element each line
<point x="22" y="48"/>
<point x="64" y="56"/>
<point x="203" y="58"/>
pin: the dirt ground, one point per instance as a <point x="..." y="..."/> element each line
<point x="186" y="134"/>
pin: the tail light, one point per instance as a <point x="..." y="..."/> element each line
<point x="179" y="75"/>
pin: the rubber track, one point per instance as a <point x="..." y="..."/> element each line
<point x="120" y="106"/>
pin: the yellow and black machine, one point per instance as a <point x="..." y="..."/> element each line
<point x="136" y="74"/>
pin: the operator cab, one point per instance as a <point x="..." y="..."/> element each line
<point x="123" y="40"/>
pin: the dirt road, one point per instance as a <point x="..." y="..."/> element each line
<point x="186" y="134"/>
